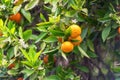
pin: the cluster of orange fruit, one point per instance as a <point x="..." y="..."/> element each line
<point x="74" y="39"/>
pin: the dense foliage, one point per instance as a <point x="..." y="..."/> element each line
<point x="37" y="41"/>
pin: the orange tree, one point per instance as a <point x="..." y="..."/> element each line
<point x="59" y="39"/>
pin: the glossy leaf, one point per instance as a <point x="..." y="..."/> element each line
<point x="84" y="33"/>
<point x="83" y="52"/>
<point x="105" y="33"/>
<point x="27" y="15"/>
<point x="51" y="39"/>
<point x="27" y="72"/>
<point x="41" y="36"/>
<point x="16" y="9"/>
<point x="57" y="32"/>
<point x="27" y="34"/>
<point x="25" y="54"/>
<point x="20" y="32"/>
<point x="42" y="17"/>
<point x="31" y="4"/>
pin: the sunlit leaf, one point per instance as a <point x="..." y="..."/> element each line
<point x="27" y="34"/>
<point x="51" y="39"/>
<point x="42" y="17"/>
<point x="25" y="54"/>
<point x="26" y="14"/>
<point x="31" y="4"/>
<point x="83" y="52"/>
<point x="16" y="9"/>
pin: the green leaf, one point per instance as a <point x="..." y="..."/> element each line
<point x="92" y="54"/>
<point x="41" y="36"/>
<point x="16" y="50"/>
<point x="85" y="11"/>
<point x="34" y="76"/>
<point x="42" y="17"/>
<point x="105" y="33"/>
<point x="51" y="51"/>
<point x="27" y="34"/>
<point x="45" y="24"/>
<point x="54" y="19"/>
<point x="27" y="72"/>
<point x="16" y="9"/>
<point x="1" y="23"/>
<point x="43" y="46"/>
<point x="42" y="29"/>
<point x="90" y="45"/>
<point x="12" y="31"/>
<point x="77" y="4"/>
<point x="83" y="52"/>
<point x="10" y="53"/>
<point x="31" y="53"/>
<point x="34" y="37"/>
<point x="31" y="4"/>
<point x="70" y="76"/>
<point x="28" y="63"/>
<point x="25" y="54"/>
<point x="12" y="72"/>
<point x="68" y="32"/>
<point x="112" y="34"/>
<point x="70" y="13"/>
<point x="52" y="77"/>
<point x="37" y="55"/>
<point x="20" y="32"/>
<point x="84" y="69"/>
<point x="64" y="56"/>
<point x="74" y="5"/>
<point x="57" y="32"/>
<point x="84" y="33"/>
<point x="27" y="15"/>
<point x="105" y="19"/>
<point x="80" y="18"/>
<point x="51" y="39"/>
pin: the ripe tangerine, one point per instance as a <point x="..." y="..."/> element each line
<point x="16" y="17"/>
<point x="67" y="46"/>
<point x="119" y="30"/>
<point x="11" y="66"/>
<point x="45" y="59"/>
<point x="20" y="78"/>
<point x="76" y="41"/>
<point x="75" y="31"/>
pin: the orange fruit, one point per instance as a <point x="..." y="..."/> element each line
<point x="11" y="66"/>
<point x="60" y="39"/>
<point x="45" y="59"/>
<point x="75" y="31"/>
<point x="16" y="17"/>
<point x="1" y="33"/>
<point x="54" y="59"/>
<point x="67" y="46"/>
<point x="20" y="78"/>
<point x="119" y="30"/>
<point x="76" y="41"/>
